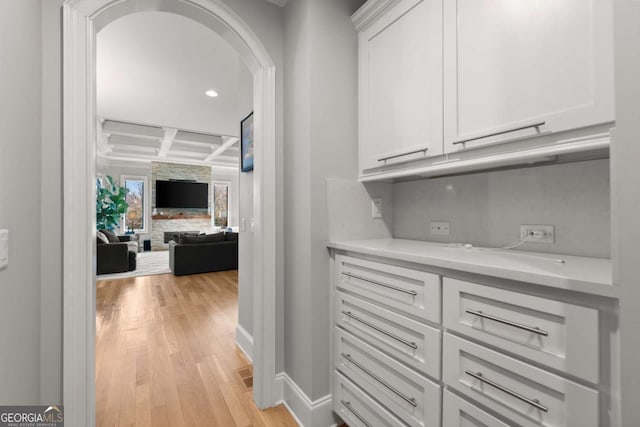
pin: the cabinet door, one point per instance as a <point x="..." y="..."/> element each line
<point x="401" y="84"/>
<point x="516" y="64"/>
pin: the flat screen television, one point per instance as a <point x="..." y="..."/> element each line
<point x="182" y="194"/>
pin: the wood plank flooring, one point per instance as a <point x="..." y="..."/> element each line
<point x="166" y="354"/>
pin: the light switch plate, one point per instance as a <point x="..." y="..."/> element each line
<point x="376" y="208"/>
<point x="4" y="248"/>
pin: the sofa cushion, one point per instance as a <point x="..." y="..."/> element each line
<point x="101" y="238"/>
<point x="113" y="238"/>
<point x="230" y="236"/>
<point x="177" y="237"/>
<point x="207" y="238"/>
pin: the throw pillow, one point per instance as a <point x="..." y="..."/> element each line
<point x="111" y="236"/>
<point x="101" y="238"/>
<point x="230" y="236"/>
<point x="178" y="237"/>
<point x="207" y="238"/>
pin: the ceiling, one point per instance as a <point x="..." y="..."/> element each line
<point x="153" y="68"/>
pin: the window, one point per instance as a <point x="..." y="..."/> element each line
<point x="135" y="219"/>
<point x="221" y="204"/>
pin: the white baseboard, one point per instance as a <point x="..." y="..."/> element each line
<point x="307" y="413"/>
<point x="244" y="340"/>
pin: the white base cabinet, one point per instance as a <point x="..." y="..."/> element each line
<point x="504" y="354"/>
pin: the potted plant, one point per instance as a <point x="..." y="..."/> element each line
<point x="111" y="203"/>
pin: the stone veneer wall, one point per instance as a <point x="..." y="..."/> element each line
<point x="164" y="172"/>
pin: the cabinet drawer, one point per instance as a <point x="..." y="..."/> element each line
<point x="414" y="343"/>
<point x="560" y="335"/>
<point x="410" y="291"/>
<point x="458" y="412"/>
<point x="357" y="409"/>
<point x="520" y="392"/>
<point x="409" y="395"/>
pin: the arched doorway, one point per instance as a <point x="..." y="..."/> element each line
<point x="82" y="19"/>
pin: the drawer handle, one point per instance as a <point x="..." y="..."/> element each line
<point x="532" y="402"/>
<point x="353" y="411"/>
<point x="410" y="400"/>
<point x="389" y="334"/>
<point x="395" y="156"/>
<point x="502" y="132"/>
<point x="535" y="330"/>
<point x="375" y="282"/>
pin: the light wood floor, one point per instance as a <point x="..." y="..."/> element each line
<point x="166" y="354"/>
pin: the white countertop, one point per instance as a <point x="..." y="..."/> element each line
<point x="582" y="274"/>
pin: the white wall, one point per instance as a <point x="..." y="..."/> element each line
<point x="265" y="19"/>
<point x="320" y="142"/>
<point x="245" y="206"/>
<point x="488" y="208"/>
<point x="625" y="179"/>
<point x="20" y="201"/>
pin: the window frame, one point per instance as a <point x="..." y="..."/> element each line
<point x="228" y="184"/>
<point x="145" y="204"/>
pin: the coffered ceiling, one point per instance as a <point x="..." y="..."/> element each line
<point x="153" y="70"/>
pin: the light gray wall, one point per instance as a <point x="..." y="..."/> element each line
<point x="51" y="208"/>
<point x="487" y="209"/>
<point x="20" y="200"/>
<point x="349" y="210"/>
<point x="265" y="19"/>
<point x="320" y="142"/>
<point x="625" y="179"/>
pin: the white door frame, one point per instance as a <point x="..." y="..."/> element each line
<point x="82" y="19"/>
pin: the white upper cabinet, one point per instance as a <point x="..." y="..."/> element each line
<point x="400" y="82"/>
<point x="519" y="68"/>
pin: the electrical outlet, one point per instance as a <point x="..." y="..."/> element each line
<point x="376" y="208"/>
<point x="538" y="233"/>
<point x="440" y="228"/>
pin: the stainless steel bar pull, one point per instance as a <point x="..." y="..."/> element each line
<point x="375" y="282"/>
<point x="501" y="132"/>
<point x="410" y="400"/>
<point x="532" y="402"/>
<point x="533" y="329"/>
<point x="382" y="331"/>
<point x="356" y="414"/>
<point x="395" y="156"/>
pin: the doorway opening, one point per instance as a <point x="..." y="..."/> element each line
<point x="82" y="19"/>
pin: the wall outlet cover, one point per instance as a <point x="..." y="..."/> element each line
<point x="376" y="208"/>
<point x="4" y="248"/>
<point x="439" y="228"/>
<point x="538" y="233"/>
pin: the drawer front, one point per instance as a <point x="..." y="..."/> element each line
<point x="457" y="412"/>
<point x="414" y="343"/>
<point x="409" y="291"/>
<point x="560" y="335"/>
<point x="357" y="409"/>
<point x="409" y="395"/>
<point x="520" y="392"/>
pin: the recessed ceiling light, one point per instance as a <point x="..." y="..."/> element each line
<point x="212" y="93"/>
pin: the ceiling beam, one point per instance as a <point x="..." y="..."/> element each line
<point x="167" y="140"/>
<point x="228" y="141"/>
<point x="280" y="3"/>
<point x="152" y="158"/>
<point x="131" y="129"/>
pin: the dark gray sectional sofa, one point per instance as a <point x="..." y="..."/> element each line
<point x="202" y="254"/>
